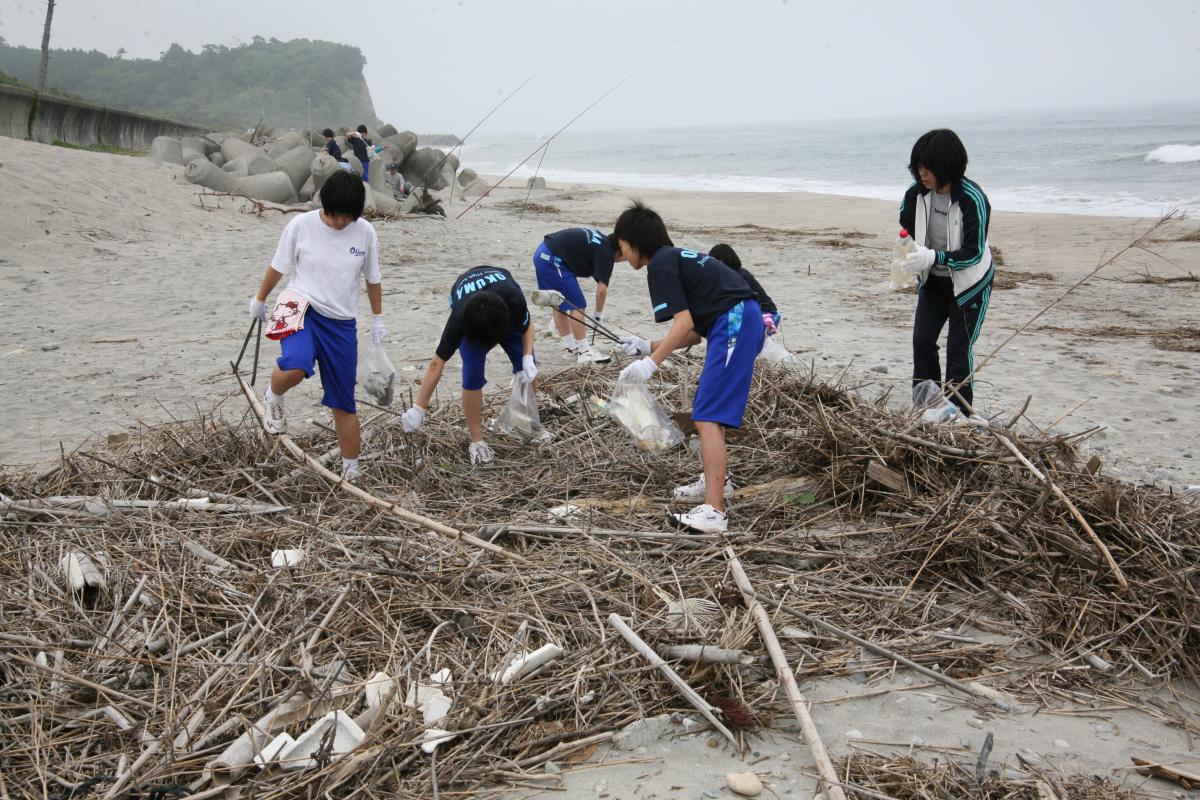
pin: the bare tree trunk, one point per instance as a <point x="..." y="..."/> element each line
<point x="41" y="83"/>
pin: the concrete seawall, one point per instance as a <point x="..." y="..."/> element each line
<point x="44" y="118"/>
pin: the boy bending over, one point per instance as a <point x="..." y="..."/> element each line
<point x="560" y="261"/>
<point x="703" y="299"/>
<point x="487" y="308"/>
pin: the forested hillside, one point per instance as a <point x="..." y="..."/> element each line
<point x="219" y="86"/>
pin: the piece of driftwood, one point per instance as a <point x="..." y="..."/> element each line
<point x="783" y="671"/>
<point x="704" y="654"/>
<point x="1186" y="779"/>
<point x="688" y="693"/>
<point x="889" y="477"/>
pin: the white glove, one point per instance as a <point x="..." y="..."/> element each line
<point x="258" y="309"/>
<point x="918" y="260"/>
<point x="378" y="329"/>
<point x="480" y="453"/>
<point x="634" y="346"/>
<point x="639" y="371"/>
<point x="529" y="367"/>
<point x="412" y="419"/>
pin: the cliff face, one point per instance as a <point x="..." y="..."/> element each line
<point x="218" y="87"/>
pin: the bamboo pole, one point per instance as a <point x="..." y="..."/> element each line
<point x="689" y="694"/>
<point x="833" y="787"/>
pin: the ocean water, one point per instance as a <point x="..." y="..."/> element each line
<point x="1136" y="161"/>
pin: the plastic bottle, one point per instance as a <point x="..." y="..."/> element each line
<point x="900" y="250"/>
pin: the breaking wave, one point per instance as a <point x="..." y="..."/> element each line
<point x="1175" y="154"/>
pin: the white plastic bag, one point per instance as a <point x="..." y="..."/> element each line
<point x="927" y="398"/>
<point x="635" y="408"/>
<point x="776" y="354"/>
<point x="520" y="417"/>
<point x="376" y="375"/>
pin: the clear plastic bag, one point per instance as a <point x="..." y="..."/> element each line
<point x="776" y="354"/>
<point x="635" y="408"/>
<point x="520" y="417"/>
<point x="928" y="398"/>
<point x="376" y="375"/>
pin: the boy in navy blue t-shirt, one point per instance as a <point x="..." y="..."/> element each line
<point x="487" y="308"/>
<point x="703" y="299"/>
<point x="560" y="261"/>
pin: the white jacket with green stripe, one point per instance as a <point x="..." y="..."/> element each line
<point x="969" y="259"/>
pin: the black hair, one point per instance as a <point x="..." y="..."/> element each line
<point x="362" y="129"/>
<point x="327" y="132"/>
<point x="941" y="152"/>
<point x="343" y="195"/>
<point x="724" y="253"/>
<point x="643" y="229"/>
<point x="485" y="318"/>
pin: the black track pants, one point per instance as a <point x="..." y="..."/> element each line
<point x="936" y="305"/>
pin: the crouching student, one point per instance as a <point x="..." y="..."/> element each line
<point x="703" y="299"/>
<point x="770" y="313"/>
<point x="487" y="308"/>
<point x="325" y="253"/>
<point x="560" y="261"/>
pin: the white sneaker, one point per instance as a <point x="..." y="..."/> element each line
<point x="352" y="475"/>
<point x="701" y="519"/>
<point x="591" y="355"/>
<point x="480" y="453"/>
<point x="696" y="491"/>
<point x="273" y="419"/>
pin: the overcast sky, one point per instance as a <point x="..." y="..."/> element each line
<point x="440" y="65"/>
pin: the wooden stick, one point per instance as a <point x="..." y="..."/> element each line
<point x="1188" y="780"/>
<point x="394" y="509"/>
<point x="1061" y="495"/>
<point x="783" y="671"/>
<point x="689" y="694"/>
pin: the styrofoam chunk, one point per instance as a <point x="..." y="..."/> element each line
<point x="435" y="736"/>
<point x="379" y="690"/>
<point x="280" y="744"/>
<point x="286" y="558"/>
<point x="346" y="737"/>
<point x="435" y="707"/>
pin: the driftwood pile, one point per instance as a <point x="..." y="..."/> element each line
<point x="237" y="595"/>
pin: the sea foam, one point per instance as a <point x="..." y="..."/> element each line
<point x="1175" y="154"/>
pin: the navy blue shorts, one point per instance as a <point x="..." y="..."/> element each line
<point x="331" y="343"/>
<point x="733" y="343"/>
<point x="553" y="274"/>
<point x="474" y="357"/>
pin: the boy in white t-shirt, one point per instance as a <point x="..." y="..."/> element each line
<point x="325" y="252"/>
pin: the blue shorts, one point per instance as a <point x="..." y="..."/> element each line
<point x="331" y="343"/>
<point x="553" y="274"/>
<point x="733" y="343"/>
<point x="474" y="357"/>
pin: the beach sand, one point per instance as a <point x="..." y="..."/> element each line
<point x="122" y="301"/>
